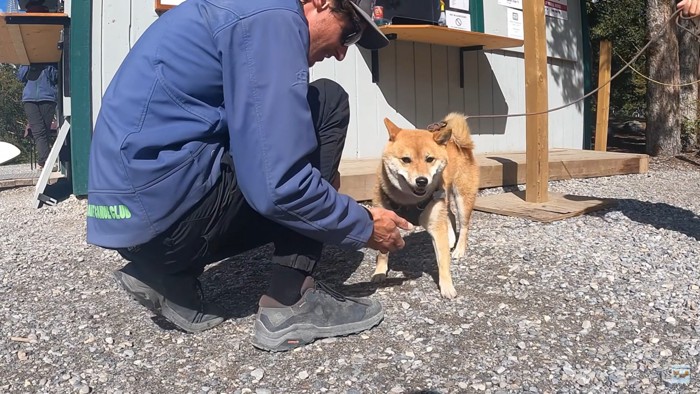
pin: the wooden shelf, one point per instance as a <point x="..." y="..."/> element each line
<point x="31" y="37"/>
<point x="439" y="35"/>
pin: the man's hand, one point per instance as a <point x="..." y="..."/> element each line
<point x="385" y="235"/>
<point x="691" y="8"/>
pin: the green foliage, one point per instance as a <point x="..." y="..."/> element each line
<point x="12" y="118"/>
<point x="623" y="23"/>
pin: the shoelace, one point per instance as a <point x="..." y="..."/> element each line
<point x="332" y="292"/>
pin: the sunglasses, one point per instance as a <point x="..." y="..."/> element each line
<point x="353" y="33"/>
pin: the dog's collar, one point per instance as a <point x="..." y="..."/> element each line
<point x="438" y="194"/>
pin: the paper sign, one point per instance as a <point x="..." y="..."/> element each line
<point x="515" y="23"/>
<point x="557" y="9"/>
<point x="512" y="3"/>
<point x="458" y="20"/>
<point x="459" y="4"/>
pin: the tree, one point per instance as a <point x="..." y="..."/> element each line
<point x="689" y="59"/>
<point x="672" y="59"/>
<point x="663" y="131"/>
<point x="12" y="119"/>
<point x="623" y="23"/>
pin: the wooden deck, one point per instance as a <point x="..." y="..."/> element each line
<point x="505" y="169"/>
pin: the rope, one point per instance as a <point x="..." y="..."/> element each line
<point x="658" y="35"/>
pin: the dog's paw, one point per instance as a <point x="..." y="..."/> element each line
<point x="458" y="253"/>
<point x="448" y="291"/>
<point x="378" y="277"/>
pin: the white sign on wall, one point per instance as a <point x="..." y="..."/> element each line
<point x="458" y="20"/>
<point x="459" y="4"/>
<point x="515" y="24"/>
<point x="552" y="8"/>
<point x="557" y="9"/>
<point x="512" y="3"/>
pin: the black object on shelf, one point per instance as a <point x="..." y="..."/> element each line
<point x="411" y="12"/>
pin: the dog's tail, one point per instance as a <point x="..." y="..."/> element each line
<point x="460" y="130"/>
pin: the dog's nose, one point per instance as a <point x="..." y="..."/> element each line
<point x="421" y="181"/>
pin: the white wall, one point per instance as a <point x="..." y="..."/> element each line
<point x="418" y="83"/>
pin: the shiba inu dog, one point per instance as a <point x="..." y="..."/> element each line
<point x="430" y="177"/>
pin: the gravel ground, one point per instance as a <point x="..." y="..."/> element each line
<point x="606" y="302"/>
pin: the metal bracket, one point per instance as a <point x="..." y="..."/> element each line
<point x="461" y="61"/>
<point x="375" y="59"/>
<point x="36" y="20"/>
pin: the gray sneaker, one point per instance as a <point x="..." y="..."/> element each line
<point x="320" y="313"/>
<point x="189" y="313"/>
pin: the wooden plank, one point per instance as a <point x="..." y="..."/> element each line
<point x="25" y="43"/>
<point x="41" y="42"/>
<point x="455" y="92"/>
<point x="423" y="83"/>
<point x="506" y="169"/>
<point x="537" y="127"/>
<point x="486" y="138"/>
<point x="559" y="206"/>
<point x="20" y="182"/>
<point x="15" y="33"/>
<point x="405" y="83"/>
<point x="430" y="34"/>
<point x="603" y="107"/>
<point x="8" y="52"/>
<point x="440" y="83"/>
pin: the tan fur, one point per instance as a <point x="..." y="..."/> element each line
<point x="444" y="158"/>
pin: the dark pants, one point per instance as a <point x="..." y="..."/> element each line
<point x="224" y="225"/>
<point x="40" y="116"/>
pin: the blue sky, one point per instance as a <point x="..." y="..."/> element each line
<point x="2" y="4"/>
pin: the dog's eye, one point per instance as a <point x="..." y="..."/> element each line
<point x="429" y="159"/>
<point x="406" y="159"/>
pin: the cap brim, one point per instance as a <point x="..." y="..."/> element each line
<point x="372" y="37"/>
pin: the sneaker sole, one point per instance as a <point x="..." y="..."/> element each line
<point x="159" y="305"/>
<point x="176" y="319"/>
<point x="140" y="292"/>
<point x="303" y="334"/>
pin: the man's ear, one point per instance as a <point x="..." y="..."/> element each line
<point x="320" y="5"/>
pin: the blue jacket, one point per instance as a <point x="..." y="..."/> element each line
<point x="40" y="82"/>
<point x="211" y="76"/>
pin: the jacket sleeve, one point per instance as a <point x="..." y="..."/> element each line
<point x="22" y="73"/>
<point x="266" y="76"/>
<point x="53" y="75"/>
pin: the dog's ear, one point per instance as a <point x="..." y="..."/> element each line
<point x="442" y="136"/>
<point x="392" y="128"/>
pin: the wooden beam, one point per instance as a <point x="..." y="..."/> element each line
<point x="358" y="177"/>
<point x="537" y="126"/>
<point x="560" y="206"/>
<point x="603" y="106"/>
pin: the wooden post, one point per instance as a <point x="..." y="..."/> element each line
<point x="537" y="127"/>
<point x="603" y="106"/>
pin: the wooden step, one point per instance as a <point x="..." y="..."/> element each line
<point x="358" y="176"/>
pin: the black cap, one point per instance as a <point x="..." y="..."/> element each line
<point x="372" y="37"/>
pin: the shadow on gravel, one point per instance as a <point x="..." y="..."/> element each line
<point x="237" y="283"/>
<point x="60" y="190"/>
<point x="660" y="215"/>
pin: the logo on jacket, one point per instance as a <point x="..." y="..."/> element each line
<point x="108" y="211"/>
